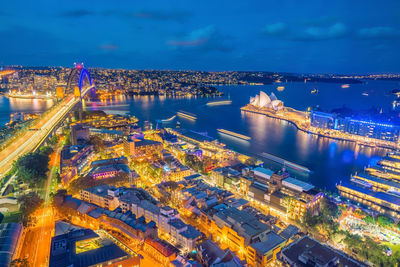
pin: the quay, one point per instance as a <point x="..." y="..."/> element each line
<point x="298" y="119"/>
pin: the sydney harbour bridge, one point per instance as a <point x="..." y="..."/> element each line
<point x="79" y="85"/>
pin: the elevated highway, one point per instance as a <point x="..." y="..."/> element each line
<point x="32" y="140"/>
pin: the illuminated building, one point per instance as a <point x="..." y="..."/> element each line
<point x="322" y="120"/>
<point x="104" y="196"/>
<point x="378" y="184"/>
<point x="365" y="128"/>
<point x="236" y="229"/>
<point x="60" y="92"/>
<point x="84" y="247"/>
<point x="182" y="261"/>
<point x="10" y="233"/>
<point x="382" y="202"/>
<point x="264" y="253"/>
<point x="282" y="194"/>
<point x="161" y="250"/>
<point x="79" y="134"/>
<point x="379" y="188"/>
<point x="141" y="147"/>
<point x="109" y="171"/>
<point x="263" y="101"/>
<point x="74" y="160"/>
<point x="221" y="175"/>
<point x="210" y="254"/>
<point x="183" y="234"/>
<point x="309" y="252"/>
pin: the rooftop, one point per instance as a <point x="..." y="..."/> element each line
<point x="306" y="250"/>
<point x="273" y="240"/>
<point x="241" y="221"/>
<point x="391" y="198"/>
<point x="263" y="170"/>
<point x="63" y="252"/>
<point x="292" y="182"/>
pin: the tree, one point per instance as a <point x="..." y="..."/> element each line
<point x="28" y="204"/>
<point x="32" y="167"/>
<point x="193" y="162"/>
<point x="80" y="183"/>
<point x="368" y="219"/>
<point x="46" y="150"/>
<point x="384" y="221"/>
<point x="250" y="161"/>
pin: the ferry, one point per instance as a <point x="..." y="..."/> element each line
<point x="219" y="103"/>
<point x="345" y="86"/>
<point x="280" y="88"/>
<point x="233" y="134"/>
<point x="186" y="115"/>
<point x="169" y="119"/>
<point x="285" y="162"/>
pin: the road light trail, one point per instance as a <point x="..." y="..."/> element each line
<point x="30" y="141"/>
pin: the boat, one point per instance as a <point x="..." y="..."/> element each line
<point x="286" y="163"/>
<point x="169" y="119"/>
<point x="233" y="134"/>
<point x="345" y="86"/>
<point x="186" y="115"/>
<point x="314" y="91"/>
<point x="365" y="94"/>
<point x="219" y="103"/>
<point x="280" y="88"/>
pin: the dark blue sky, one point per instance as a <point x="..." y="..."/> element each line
<point x="340" y="36"/>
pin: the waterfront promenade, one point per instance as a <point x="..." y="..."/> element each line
<point x="303" y="123"/>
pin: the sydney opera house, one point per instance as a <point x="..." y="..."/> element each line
<point x="263" y="101"/>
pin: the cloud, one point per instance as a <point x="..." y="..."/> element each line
<point x="77" y="13"/>
<point x="207" y="39"/>
<point x="176" y="15"/>
<point x="109" y="47"/>
<point x="322" y="21"/>
<point x="313" y="33"/>
<point x="279" y="28"/>
<point x="379" y="33"/>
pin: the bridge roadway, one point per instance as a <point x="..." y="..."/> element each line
<point x="31" y="140"/>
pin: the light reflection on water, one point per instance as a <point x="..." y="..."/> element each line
<point x="330" y="160"/>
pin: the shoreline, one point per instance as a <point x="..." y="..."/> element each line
<point x="302" y="128"/>
<point x="29" y="97"/>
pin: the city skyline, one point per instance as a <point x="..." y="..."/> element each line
<point x="209" y="133"/>
<point x="294" y="37"/>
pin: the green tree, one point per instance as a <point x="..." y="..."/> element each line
<point x="46" y="150"/>
<point x="193" y="162"/>
<point x="384" y="221"/>
<point x="369" y="219"/>
<point x="32" y="167"/>
<point x="28" y="204"/>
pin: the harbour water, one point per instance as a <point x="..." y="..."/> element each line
<point x="329" y="160"/>
<point x="11" y="105"/>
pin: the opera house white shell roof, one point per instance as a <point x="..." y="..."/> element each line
<point x="264" y="101"/>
